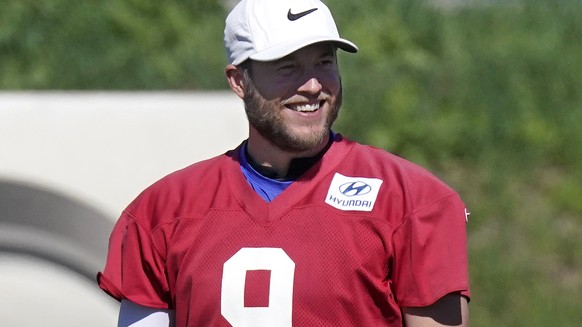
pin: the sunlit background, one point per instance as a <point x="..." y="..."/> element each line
<point x="100" y="98"/>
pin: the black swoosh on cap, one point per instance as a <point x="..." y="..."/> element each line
<point x="292" y="17"/>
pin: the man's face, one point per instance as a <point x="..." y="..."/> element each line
<point x="293" y="101"/>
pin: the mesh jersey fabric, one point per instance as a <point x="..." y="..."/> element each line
<point x="175" y="246"/>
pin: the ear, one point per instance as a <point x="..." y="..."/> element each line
<point x="235" y="79"/>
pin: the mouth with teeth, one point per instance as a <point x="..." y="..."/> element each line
<point x="305" y="107"/>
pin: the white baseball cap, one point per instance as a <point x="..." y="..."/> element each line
<point x="266" y="30"/>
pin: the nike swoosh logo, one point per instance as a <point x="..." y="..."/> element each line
<point x="292" y="17"/>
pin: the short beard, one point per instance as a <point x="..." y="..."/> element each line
<point x="268" y="122"/>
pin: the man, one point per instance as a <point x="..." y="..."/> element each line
<point x="298" y="226"/>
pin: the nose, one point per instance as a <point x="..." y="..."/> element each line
<point x="312" y="85"/>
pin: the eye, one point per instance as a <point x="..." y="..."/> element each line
<point x="327" y="63"/>
<point x="286" y="69"/>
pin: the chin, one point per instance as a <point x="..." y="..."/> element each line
<point x="303" y="141"/>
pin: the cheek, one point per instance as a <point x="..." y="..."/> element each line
<point x="273" y="91"/>
<point x="270" y="86"/>
<point x="330" y="82"/>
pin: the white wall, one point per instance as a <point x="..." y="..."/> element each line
<point x="102" y="148"/>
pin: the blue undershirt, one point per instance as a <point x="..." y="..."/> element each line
<point x="266" y="187"/>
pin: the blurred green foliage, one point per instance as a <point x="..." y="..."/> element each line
<point x="111" y="44"/>
<point x="484" y="93"/>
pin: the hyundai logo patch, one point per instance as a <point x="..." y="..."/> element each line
<point x="353" y="193"/>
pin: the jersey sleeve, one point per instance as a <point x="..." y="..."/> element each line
<point x="134" y="270"/>
<point x="430" y="258"/>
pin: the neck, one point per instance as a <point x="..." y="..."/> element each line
<point x="273" y="162"/>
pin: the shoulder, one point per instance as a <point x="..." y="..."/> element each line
<point x="401" y="178"/>
<point x="380" y="162"/>
<point x="181" y="192"/>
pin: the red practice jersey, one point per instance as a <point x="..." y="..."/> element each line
<point x="360" y="235"/>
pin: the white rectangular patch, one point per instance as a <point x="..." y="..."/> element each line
<point x="353" y="193"/>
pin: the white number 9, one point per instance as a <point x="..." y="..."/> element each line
<point x="282" y="268"/>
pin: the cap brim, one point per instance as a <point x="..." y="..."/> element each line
<point x="282" y="50"/>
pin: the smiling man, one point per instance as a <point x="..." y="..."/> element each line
<point x="298" y="226"/>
